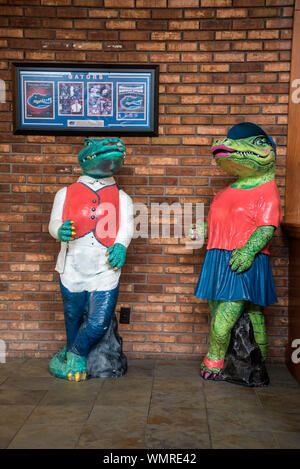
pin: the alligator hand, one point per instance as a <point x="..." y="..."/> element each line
<point x="198" y="231"/>
<point x="116" y="256"/>
<point x="241" y="259"/>
<point x="67" y="231"/>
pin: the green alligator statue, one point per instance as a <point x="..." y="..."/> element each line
<point x="236" y="275"/>
<point x="93" y="220"/>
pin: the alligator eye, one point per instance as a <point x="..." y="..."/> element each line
<point x="260" y="141"/>
<point x="87" y="143"/>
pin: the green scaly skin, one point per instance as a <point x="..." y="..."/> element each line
<point x="252" y="160"/>
<point x="72" y="369"/>
<point x="100" y="158"/>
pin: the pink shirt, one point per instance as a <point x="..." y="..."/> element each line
<point x="236" y="213"/>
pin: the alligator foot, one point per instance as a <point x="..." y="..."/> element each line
<point x="210" y="375"/>
<point x="209" y="370"/>
<point x="73" y="369"/>
<point x="61" y="354"/>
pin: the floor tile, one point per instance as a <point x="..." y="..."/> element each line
<point x="176" y="437"/>
<point x="128" y="384"/>
<point x="14" y="414"/>
<point x="178" y="399"/>
<point x="34" y="367"/>
<point x="181" y="371"/>
<point x="46" y="437"/>
<point x="12" y="365"/>
<point x="117" y="397"/>
<point x="7" y="433"/>
<point x="109" y="416"/>
<point x="18" y="397"/>
<point x="77" y="413"/>
<point x="185" y="416"/>
<point x="126" y="437"/>
<point x="138" y="373"/>
<point x="280" y="399"/>
<point x="222" y="388"/>
<point x="249" y="420"/>
<point x="146" y="363"/>
<point x="239" y="403"/>
<point x="176" y="384"/>
<point x="28" y="383"/>
<point x="288" y="440"/>
<point x="73" y="395"/>
<point x="3" y="379"/>
<point x="282" y="421"/>
<point x="229" y="439"/>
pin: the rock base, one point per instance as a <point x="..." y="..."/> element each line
<point x="106" y="358"/>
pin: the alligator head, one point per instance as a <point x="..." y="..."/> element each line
<point x="248" y="155"/>
<point x="101" y="157"/>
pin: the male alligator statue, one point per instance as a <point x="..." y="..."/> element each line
<point x="236" y="276"/>
<point x="93" y="219"/>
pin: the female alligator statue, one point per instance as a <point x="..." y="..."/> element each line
<point x="236" y="276"/>
<point x="93" y="220"/>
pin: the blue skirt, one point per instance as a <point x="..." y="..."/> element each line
<point x="218" y="282"/>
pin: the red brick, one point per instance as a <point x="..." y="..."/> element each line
<point x="88" y="3"/>
<point x="216" y="3"/>
<point x="42" y="12"/>
<point x="184" y="25"/>
<point x="56" y="2"/>
<point x="150" y="46"/>
<point x="133" y="14"/>
<point x="7" y="32"/>
<point x="122" y="24"/>
<point x="167" y="13"/>
<point x="151" y="3"/>
<point x="152" y="25"/>
<point x="232" y="13"/>
<point x="196" y="57"/>
<point x="279" y="23"/>
<point x="185" y="4"/>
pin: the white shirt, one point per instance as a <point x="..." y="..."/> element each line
<point x="82" y="262"/>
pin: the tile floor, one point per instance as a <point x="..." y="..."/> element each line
<point x="158" y="404"/>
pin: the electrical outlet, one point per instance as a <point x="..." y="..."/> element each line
<point x="125" y="315"/>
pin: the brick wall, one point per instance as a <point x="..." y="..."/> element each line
<point x="220" y="61"/>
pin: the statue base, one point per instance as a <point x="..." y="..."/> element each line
<point x="243" y="362"/>
<point x="106" y="358"/>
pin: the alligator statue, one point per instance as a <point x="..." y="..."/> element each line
<point x="93" y="219"/>
<point x="236" y="276"/>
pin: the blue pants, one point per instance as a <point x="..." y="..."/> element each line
<point x="87" y="317"/>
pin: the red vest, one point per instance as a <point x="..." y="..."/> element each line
<point x="88" y="210"/>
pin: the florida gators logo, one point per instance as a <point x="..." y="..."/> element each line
<point x="131" y="102"/>
<point x="40" y="101"/>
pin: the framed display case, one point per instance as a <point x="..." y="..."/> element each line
<point x="94" y="99"/>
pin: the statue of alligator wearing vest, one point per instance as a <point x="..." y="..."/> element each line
<point x="236" y="276"/>
<point x="93" y="219"/>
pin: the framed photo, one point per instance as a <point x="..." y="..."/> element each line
<point x="71" y="99"/>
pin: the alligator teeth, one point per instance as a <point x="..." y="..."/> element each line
<point x="246" y="153"/>
<point x="90" y="157"/>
